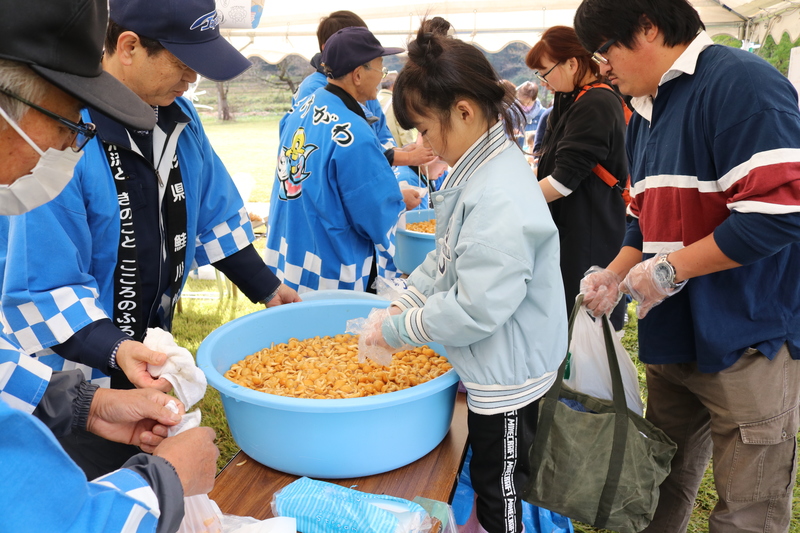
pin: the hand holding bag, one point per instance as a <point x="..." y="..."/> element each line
<point x="601" y="466"/>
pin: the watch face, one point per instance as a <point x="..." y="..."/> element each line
<point x="664" y="275"/>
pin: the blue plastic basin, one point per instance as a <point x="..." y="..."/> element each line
<point x="339" y="294"/>
<point x="332" y="439"/>
<point x="411" y="247"/>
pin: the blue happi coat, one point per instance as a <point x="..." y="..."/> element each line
<point x="59" y="259"/>
<point x="335" y="200"/>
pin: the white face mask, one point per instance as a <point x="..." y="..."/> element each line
<point x="46" y="181"/>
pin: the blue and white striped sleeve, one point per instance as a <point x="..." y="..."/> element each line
<point x="44" y="490"/>
<point x="224" y="239"/>
<point x="23" y="379"/>
<point x="129" y="503"/>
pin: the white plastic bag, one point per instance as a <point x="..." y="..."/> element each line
<point x="201" y="515"/>
<point x="588" y="367"/>
<point x="204" y="516"/>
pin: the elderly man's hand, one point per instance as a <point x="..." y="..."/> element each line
<point x="193" y="454"/>
<point x="435" y="169"/>
<point x="133" y="358"/>
<point x="415" y="154"/>
<point x="138" y="417"/>
<point x="411" y="198"/>
<point x="285" y="295"/>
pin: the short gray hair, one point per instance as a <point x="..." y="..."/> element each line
<point x="19" y="79"/>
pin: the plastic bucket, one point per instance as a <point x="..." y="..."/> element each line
<point x="332" y="439"/>
<point x="411" y="247"/>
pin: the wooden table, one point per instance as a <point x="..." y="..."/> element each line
<point x="245" y="487"/>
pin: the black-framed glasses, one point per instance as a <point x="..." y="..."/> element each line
<point x="543" y="77"/>
<point x="384" y="70"/>
<point x="84" y="131"/>
<point x="598" y="56"/>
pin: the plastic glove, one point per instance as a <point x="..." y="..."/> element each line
<point x="643" y="287"/>
<point x="371" y="343"/>
<point x="390" y="288"/>
<point x="601" y="290"/>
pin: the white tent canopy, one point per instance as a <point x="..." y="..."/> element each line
<point x="290" y="27"/>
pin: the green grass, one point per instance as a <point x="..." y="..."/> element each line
<point x="250" y="146"/>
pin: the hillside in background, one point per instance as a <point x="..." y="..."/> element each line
<point x="267" y="89"/>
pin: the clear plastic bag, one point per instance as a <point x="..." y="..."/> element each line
<point x="441" y="511"/>
<point x="369" y="331"/>
<point x="390" y="289"/>
<point x="588" y="366"/>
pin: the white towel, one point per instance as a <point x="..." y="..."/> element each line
<point x="190" y="387"/>
<point x="180" y="369"/>
<point x="188" y="420"/>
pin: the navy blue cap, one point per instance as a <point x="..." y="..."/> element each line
<point x="349" y="48"/>
<point x="187" y="28"/>
<point x="62" y="41"/>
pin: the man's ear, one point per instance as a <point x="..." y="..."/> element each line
<point x="357" y="75"/>
<point x="128" y="45"/>
<point x="649" y="30"/>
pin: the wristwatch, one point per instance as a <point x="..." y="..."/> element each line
<point x="664" y="274"/>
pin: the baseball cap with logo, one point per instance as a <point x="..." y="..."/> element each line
<point x="187" y="28"/>
<point x="62" y="41"/>
<point x="350" y="48"/>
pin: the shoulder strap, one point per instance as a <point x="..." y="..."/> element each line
<point x="599" y="169"/>
<point x="586" y="88"/>
<point x="625" y="109"/>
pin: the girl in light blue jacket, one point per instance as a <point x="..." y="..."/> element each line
<point x="491" y="292"/>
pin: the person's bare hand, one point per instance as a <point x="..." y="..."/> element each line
<point x="411" y="198"/>
<point x="138" y="417"/>
<point x="435" y="169"/>
<point x="285" y="295"/>
<point x="417" y="154"/>
<point x="193" y="454"/>
<point x="133" y="358"/>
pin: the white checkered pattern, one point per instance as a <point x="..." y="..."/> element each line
<point x="224" y="239"/>
<point x="23" y="379"/>
<point x="36" y="326"/>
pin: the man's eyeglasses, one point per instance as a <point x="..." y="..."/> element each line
<point x="543" y="77"/>
<point x="598" y="56"/>
<point x="384" y="70"/>
<point x="84" y="131"/>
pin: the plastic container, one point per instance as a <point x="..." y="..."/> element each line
<point x="411" y="247"/>
<point x="339" y="294"/>
<point x="331" y="439"/>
